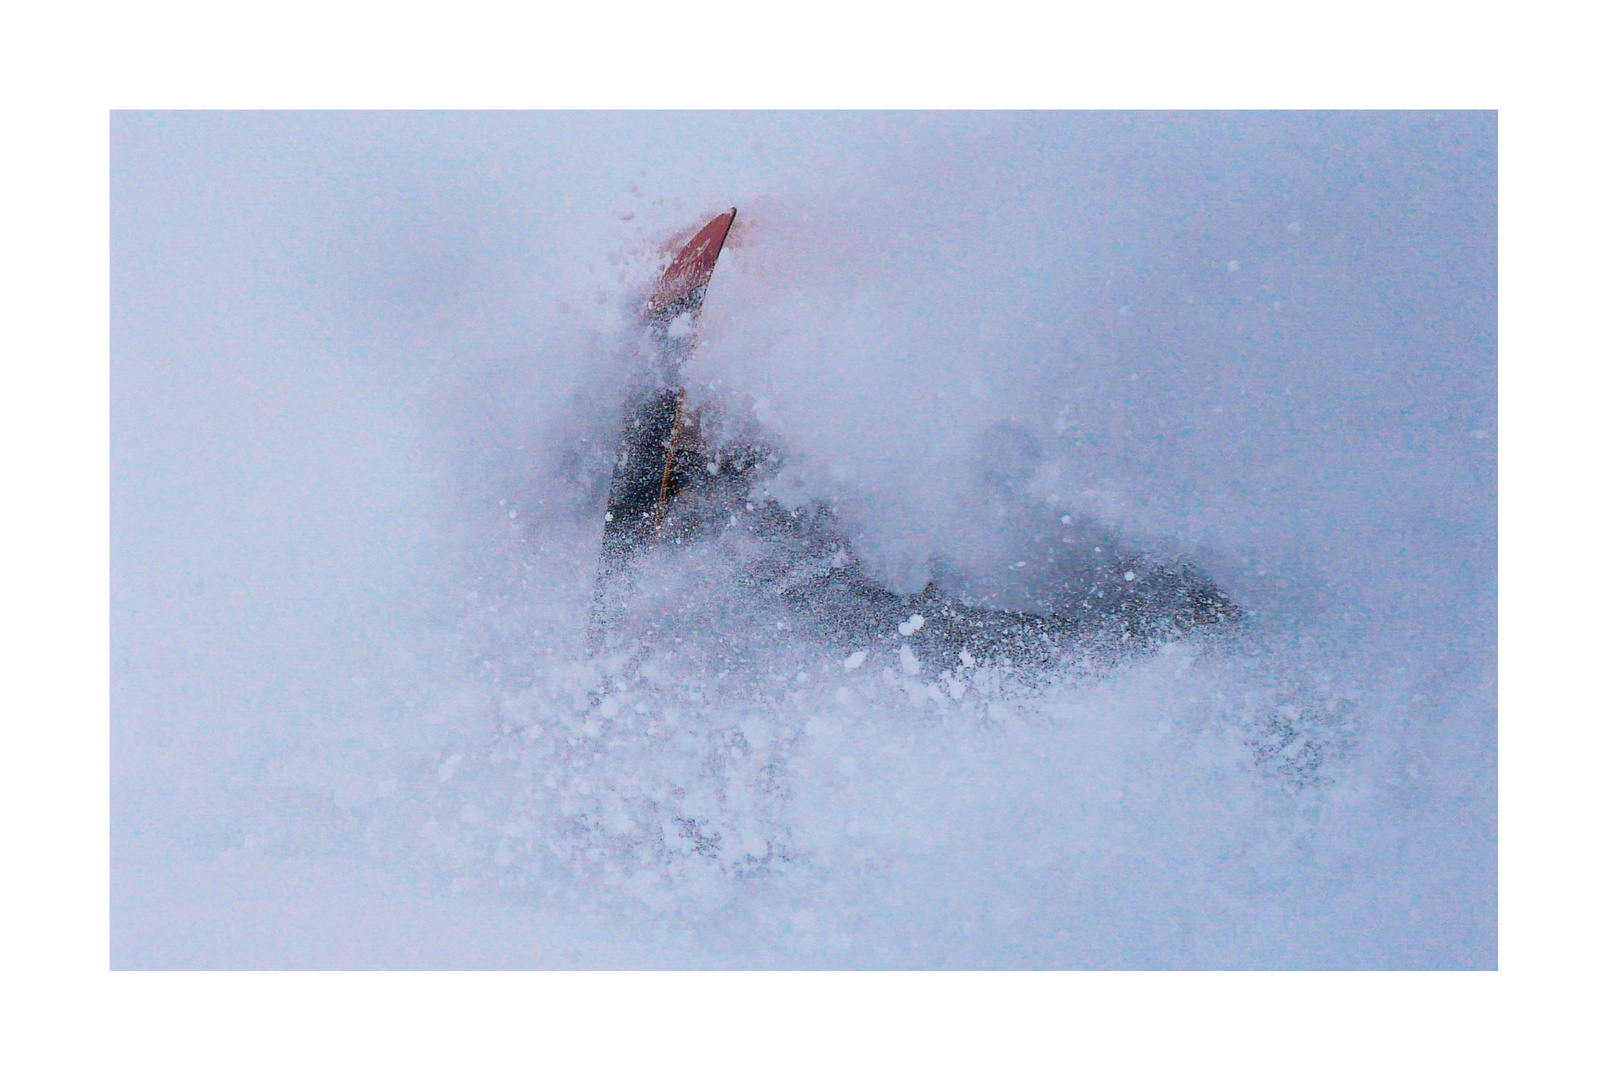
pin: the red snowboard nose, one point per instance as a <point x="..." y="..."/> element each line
<point x="694" y="265"/>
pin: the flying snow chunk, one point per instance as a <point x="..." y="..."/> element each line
<point x="1129" y="576"/>
<point x="449" y="768"/>
<point x="608" y="707"/>
<point x="910" y="625"/>
<point x="854" y="660"/>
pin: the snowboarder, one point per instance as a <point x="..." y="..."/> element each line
<point x="673" y="480"/>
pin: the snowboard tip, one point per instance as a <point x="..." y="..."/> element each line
<point x="693" y="265"/>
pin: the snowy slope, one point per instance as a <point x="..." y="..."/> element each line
<point x="366" y="377"/>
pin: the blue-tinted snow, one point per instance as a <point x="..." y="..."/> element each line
<point x="366" y="373"/>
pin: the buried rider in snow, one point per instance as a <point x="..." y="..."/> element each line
<point x="1083" y="590"/>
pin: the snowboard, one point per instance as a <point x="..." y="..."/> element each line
<point x="644" y="456"/>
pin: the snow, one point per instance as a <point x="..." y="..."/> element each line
<point x="364" y="402"/>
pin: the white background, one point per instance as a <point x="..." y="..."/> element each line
<point x="65" y="71"/>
